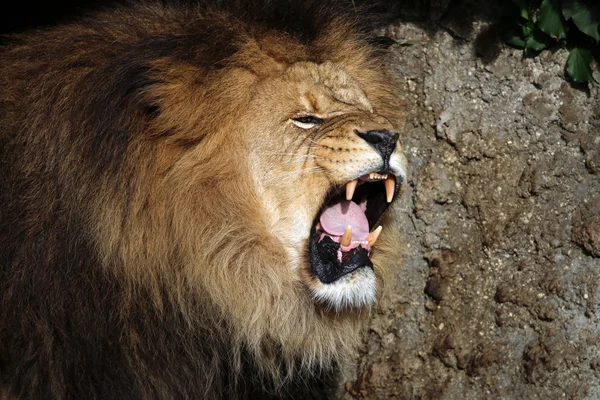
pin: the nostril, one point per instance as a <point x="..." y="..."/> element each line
<point x="380" y="138"/>
<point x="373" y="137"/>
<point x="383" y="141"/>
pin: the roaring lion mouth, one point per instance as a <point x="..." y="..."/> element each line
<point x="345" y="229"/>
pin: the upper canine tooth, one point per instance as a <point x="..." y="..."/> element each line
<point x="371" y="175"/>
<point x="350" y="186"/>
<point x="345" y="239"/>
<point x="373" y="236"/>
<point x="390" y="185"/>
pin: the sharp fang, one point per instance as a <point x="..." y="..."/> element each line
<point x="345" y="239"/>
<point x="350" y="186"/>
<point x="373" y="236"/>
<point x="390" y="185"/>
<point x="371" y="175"/>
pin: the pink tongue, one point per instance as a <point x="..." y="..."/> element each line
<point x="336" y="218"/>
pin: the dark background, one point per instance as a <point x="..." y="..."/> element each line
<point x="23" y="15"/>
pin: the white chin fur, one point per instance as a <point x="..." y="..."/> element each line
<point x="354" y="290"/>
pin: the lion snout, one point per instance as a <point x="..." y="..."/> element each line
<point x="383" y="141"/>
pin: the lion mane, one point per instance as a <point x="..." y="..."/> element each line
<point x="157" y="189"/>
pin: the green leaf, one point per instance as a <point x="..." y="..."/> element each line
<point x="523" y="8"/>
<point x="579" y="65"/>
<point x="585" y="16"/>
<point x="514" y="40"/>
<point x="528" y="27"/>
<point x="511" y="35"/>
<point x="538" y="41"/>
<point x="522" y="4"/>
<point x="551" y="20"/>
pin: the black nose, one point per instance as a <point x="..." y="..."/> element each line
<point x="383" y="141"/>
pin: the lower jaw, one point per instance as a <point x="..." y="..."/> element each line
<point x="324" y="259"/>
<point x="356" y="289"/>
<point x="341" y="286"/>
<point x="326" y="264"/>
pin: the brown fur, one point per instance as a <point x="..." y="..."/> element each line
<point x="147" y="176"/>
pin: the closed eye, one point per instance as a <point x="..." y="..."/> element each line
<point x="307" y="122"/>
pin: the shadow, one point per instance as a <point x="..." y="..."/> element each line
<point x="21" y="16"/>
<point x="454" y="15"/>
<point x="457" y="17"/>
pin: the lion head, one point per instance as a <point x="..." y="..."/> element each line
<point x="326" y="168"/>
<point x="233" y="169"/>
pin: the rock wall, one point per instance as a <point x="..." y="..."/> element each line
<point x="498" y="296"/>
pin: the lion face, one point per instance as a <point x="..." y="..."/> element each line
<point x="326" y="170"/>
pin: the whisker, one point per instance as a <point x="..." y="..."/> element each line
<point x="296" y="155"/>
<point x="300" y="172"/>
<point x="312" y="141"/>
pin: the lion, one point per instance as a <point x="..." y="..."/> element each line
<point x="193" y="199"/>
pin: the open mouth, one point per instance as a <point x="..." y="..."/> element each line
<point x="345" y="230"/>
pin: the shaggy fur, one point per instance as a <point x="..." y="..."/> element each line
<point x="153" y="209"/>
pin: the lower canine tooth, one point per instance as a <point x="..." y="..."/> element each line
<point x="345" y="239"/>
<point x="350" y="186"/>
<point x="390" y="185"/>
<point x="373" y="236"/>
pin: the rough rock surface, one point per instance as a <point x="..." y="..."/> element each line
<point x="498" y="296"/>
